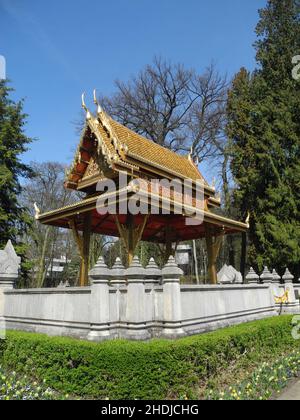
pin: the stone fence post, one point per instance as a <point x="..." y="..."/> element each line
<point x="118" y="282"/>
<point x="9" y="267"/>
<point x="99" y="303"/>
<point x="152" y="274"/>
<point x="289" y="288"/>
<point x="136" y="302"/>
<point x="9" y="274"/>
<point x="276" y="278"/>
<point x="118" y="278"/>
<point x="266" y="276"/>
<point x="171" y="274"/>
<point x="252" y="277"/>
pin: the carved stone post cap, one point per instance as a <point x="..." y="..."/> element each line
<point x="10" y="251"/>
<point x="276" y="276"/>
<point x="266" y="276"/>
<point x="100" y="271"/>
<point x="136" y="272"/>
<point x="118" y="270"/>
<point x="252" y="276"/>
<point x="288" y="277"/>
<point x="9" y="261"/>
<point x="171" y="271"/>
<point x="152" y="269"/>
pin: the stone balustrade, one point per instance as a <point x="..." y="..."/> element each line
<point x="139" y="303"/>
<point x="284" y="289"/>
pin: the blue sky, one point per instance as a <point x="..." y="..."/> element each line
<point x="56" y="50"/>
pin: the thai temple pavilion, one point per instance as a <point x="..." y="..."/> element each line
<point x="107" y="149"/>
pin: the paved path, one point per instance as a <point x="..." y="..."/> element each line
<point x="292" y="393"/>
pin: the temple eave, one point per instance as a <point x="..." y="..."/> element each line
<point x="182" y="225"/>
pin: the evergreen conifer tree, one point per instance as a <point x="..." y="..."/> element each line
<point x="14" y="218"/>
<point x="264" y="129"/>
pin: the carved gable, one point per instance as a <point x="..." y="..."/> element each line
<point x="93" y="169"/>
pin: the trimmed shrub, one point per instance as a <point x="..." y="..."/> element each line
<point x="134" y="370"/>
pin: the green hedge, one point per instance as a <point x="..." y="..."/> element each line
<point x="133" y="370"/>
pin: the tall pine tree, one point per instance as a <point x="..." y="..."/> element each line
<point x="264" y="129"/>
<point x="13" y="142"/>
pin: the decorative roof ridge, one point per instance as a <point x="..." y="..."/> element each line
<point x="196" y="166"/>
<point x="93" y="123"/>
<point x="76" y="159"/>
<point x="193" y="163"/>
<point x="104" y="119"/>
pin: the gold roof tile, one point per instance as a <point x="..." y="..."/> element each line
<point x="125" y="146"/>
<point x="146" y="149"/>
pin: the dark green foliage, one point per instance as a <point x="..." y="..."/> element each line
<point x="155" y="370"/>
<point x="13" y="142"/>
<point x="264" y="128"/>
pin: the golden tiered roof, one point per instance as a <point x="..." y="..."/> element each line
<point x="124" y="149"/>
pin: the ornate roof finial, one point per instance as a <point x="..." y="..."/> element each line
<point x="191" y="154"/>
<point x="96" y="102"/>
<point x="248" y="219"/>
<point x="88" y="114"/>
<point x="37" y="211"/>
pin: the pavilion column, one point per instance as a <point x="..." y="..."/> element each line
<point x="131" y="234"/>
<point x="213" y="244"/>
<point x="86" y="236"/>
<point x="168" y="243"/>
<point x="83" y="243"/>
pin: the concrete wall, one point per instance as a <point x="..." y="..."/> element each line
<point x="209" y="307"/>
<point x="140" y="303"/>
<point x="297" y="290"/>
<point x="51" y="311"/>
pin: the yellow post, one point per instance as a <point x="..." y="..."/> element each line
<point x="213" y="244"/>
<point x="83" y="244"/>
<point x="86" y="236"/>
<point x="131" y="235"/>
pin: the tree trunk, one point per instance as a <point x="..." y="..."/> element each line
<point x="227" y="202"/>
<point x="196" y="262"/>
<point x="243" y="255"/>
<point x="42" y="269"/>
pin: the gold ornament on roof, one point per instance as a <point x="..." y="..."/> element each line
<point x="88" y="114"/>
<point x="248" y="219"/>
<point x="37" y="211"/>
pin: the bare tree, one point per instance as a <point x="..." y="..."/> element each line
<point x="207" y="116"/>
<point x="47" y="242"/>
<point x="173" y="106"/>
